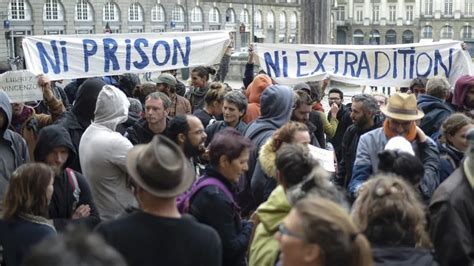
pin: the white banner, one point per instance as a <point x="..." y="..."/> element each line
<point x="377" y="65"/>
<point x="20" y="86"/>
<point x="82" y="56"/>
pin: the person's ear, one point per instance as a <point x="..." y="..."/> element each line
<point x="224" y="161"/>
<point x="181" y="138"/>
<point x="311" y="253"/>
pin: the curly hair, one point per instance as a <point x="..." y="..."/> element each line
<point x="286" y="133"/>
<point x="453" y="124"/>
<point x="389" y="212"/>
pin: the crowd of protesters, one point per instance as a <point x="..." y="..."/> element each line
<point x="112" y="171"/>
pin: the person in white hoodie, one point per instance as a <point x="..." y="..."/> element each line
<point x="103" y="154"/>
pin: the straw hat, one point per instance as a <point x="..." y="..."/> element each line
<point x="402" y="106"/>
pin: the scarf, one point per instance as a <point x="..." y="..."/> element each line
<point x="411" y="136"/>
<point x="17" y="121"/>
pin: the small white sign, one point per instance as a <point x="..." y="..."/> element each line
<point x="20" y="86"/>
<point x="324" y="157"/>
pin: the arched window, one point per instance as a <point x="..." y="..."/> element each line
<point x="293" y="21"/>
<point x="111" y="12"/>
<point x="177" y="14"/>
<point x="466" y="32"/>
<point x="447" y="32"/>
<point x="374" y="37"/>
<point x="358" y="37"/>
<point x="391" y="37"/>
<point x="271" y="20"/>
<point x="230" y="16"/>
<point x="158" y="13"/>
<point x="427" y="32"/>
<point x="19" y="10"/>
<point x="282" y="20"/>
<point x="84" y="11"/>
<point x="135" y="12"/>
<point x="214" y="15"/>
<point x="244" y="16"/>
<point x="53" y="11"/>
<point x="196" y="14"/>
<point x="258" y="19"/>
<point x="408" y="36"/>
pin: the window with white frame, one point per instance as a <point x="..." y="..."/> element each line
<point x="214" y="15"/>
<point x="271" y="20"/>
<point x="135" y="12"/>
<point x="196" y="15"/>
<point x="19" y="10"/>
<point x="158" y="13"/>
<point x="447" y="32"/>
<point x="244" y="16"/>
<point x="53" y="11"/>
<point x="409" y="13"/>
<point x="375" y="13"/>
<point x="341" y="13"/>
<point x="293" y="21"/>
<point x="110" y="12"/>
<point x="177" y="14"/>
<point x="282" y="20"/>
<point x="467" y="32"/>
<point x="429" y="7"/>
<point x="469" y="7"/>
<point x="230" y="16"/>
<point x="83" y="11"/>
<point x="392" y="13"/>
<point x="359" y="14"/>
<point x="448" y="7"/>
<point x="427" y="32"/>
<point x="258" y="19"/>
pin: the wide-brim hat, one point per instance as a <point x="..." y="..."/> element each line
<point x="402" y="106"/>
<point x="160" y="167"/>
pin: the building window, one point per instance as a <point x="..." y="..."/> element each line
<point x="375" y="13"/>
<point x="135" y="12"/>
<point x="447" y="32"/>
<point x="110" y="12"/>
<point x="408" y="36"/>
<point x="52" y="10"/>
<point x="359" y="15"/>
<point x="341" y="13"/>
<point x="18" y="10"/>
<point x="409" y="14"/>
<point x="258" y="19"/>
<point x="282" y="21"/>
<point x="294" y="21"/>
<point x="427" y="32"/>
<point x="214" y="16"/>
<point x="358" y="37"/>
<point x="244" y="16"/>
<point x="83" y="11"/>
<point x="448" y="7"/>
<point x="158" y="13"/>
<point x="429" y="7"/>
<point x="177" y="14"/>
<point x="196" y="15"/>
<point x="271" y="20"/>
<point x="467" y="32"/>
<point x="374" y="37"/>
<point x="391" y="37"/>
<point x="392" y="13"/>
<point x="469" y="7"/>
<point x="230" y="16"/>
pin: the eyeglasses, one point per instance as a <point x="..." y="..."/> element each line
<point x="285" y="231"/>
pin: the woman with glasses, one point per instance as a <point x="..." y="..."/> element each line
<point x="25" y="211"/>
<point x="320" y="232"/>
<point x="214" y="204"/>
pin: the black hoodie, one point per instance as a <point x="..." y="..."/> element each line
<point x="61" y="207"/>
<point x="80" y="117"/>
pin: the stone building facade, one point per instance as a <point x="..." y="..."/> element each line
<point x="273" y="20"/>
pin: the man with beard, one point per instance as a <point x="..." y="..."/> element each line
<point x="463" y="97"/>
<point x="343" y="115"/>
<point x="188" y="132"/>
<point x="72" y="201"/>
<point x="167" y="83"/>
<point x="301" y="111"/>
<point x="364" y="117"/>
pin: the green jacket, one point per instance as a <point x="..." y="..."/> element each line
<point x="264" y="248"/>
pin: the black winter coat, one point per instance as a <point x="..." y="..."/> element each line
<point x="212" y="207"/>
<point x="436" y="112"/>
<point x="344" y="118"/>
<point x="402" y="256"/>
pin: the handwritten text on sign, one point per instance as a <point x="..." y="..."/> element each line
<point x="64" y="57"/>
<point x="20" y="86"/>
<point x="379" y="65"/>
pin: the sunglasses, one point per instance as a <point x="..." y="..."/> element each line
<point x="285" y="231"/>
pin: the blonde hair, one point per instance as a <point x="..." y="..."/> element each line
<point x="329" y="226"/>
<point x="389" y="212"/>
